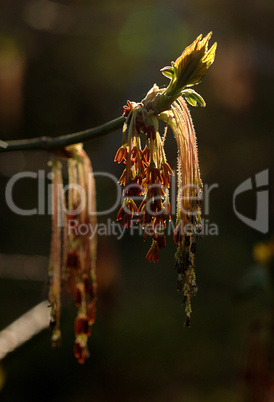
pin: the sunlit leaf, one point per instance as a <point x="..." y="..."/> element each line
<point x="186" y="71"/>
<point x="193" y="98"/>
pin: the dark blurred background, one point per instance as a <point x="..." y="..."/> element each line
<point x="70" y="65"/>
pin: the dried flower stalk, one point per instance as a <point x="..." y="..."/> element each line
<point x="58" y="250"/>
<point x="73" y="255"/>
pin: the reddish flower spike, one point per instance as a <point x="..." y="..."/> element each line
<point x="127" y="108"/>
<point x="91" y="313"/>
<point x="77" y="296"/>
<point x="146" y="155"/>
<point x="80" y="352"/>
<point x="153" y="253"/>
<point x="166" y="173"/>
<point x="121" y="154"/>
<point x="161" y="240"/>
<point x="81" y="326"/>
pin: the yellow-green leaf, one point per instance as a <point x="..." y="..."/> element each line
<point x="193" y="63"/>
<point x="193" y="98"/>
<point x="186" y="71"/>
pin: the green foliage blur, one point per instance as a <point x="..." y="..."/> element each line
<point x="70" y="65"/>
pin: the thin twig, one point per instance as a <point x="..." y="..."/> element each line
<point x="49" y="143"/>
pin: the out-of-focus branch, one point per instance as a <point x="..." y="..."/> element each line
<point x="49" y="143"/>
<point x="24" y="328"/>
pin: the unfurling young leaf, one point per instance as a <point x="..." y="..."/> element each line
<point x="186" y="71"/>
<point x="193" y="98"/>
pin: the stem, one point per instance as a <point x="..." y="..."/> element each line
<point x="49" y="143"/>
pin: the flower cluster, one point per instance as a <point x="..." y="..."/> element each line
<point x="73" y="256"/>
<point x="146" y="176"/>
<point x="147" y="172"/>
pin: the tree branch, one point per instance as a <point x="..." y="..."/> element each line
<point x="49" y="143"/>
